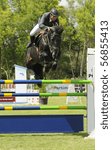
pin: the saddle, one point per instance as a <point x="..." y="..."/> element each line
<point x="38" y="38"/>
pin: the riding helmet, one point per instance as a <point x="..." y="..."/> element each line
<point x="54" y="12"/>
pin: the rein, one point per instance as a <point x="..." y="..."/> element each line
<point x="50" y="47"/>
<point x="48" y="42"/>
<point x="48" y="39"/>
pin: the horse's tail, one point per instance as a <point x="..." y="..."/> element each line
<point x="32" y="56"/>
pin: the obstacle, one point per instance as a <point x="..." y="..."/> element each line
<point x="42" y="123"/>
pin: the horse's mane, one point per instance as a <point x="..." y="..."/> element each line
<point x="57" y="29"/>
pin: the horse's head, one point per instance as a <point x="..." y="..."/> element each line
<point x="54" y="40"/>
<point x="49" y="45"/>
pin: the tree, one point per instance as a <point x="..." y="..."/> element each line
<point x="85" y="17"/>
<point x="19" y="17"/>
<point x="80" y="32"/>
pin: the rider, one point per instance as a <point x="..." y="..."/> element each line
<point x="47" y="20"/>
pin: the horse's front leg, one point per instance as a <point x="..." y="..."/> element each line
<point x="56" y="57"/>
<point x="54" y="65"/>
<point x="47" y="67"/>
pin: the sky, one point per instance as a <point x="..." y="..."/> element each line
<point x="63" y="3"/>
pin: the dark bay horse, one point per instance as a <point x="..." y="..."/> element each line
<point x="45" y="53"/>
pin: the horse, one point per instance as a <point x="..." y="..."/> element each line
<point x="45" y="52"/>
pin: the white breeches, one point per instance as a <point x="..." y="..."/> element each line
<point x="35" y="30"/>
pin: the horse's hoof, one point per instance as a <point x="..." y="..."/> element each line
<point x="47" y="70"/>
<point x="54" y="66"/>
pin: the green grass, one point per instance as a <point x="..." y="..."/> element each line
<point x="45" y="142"/>
<point x="59" y="141"/>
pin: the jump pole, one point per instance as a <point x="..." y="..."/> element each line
<point x="41" y="94"/>
<point x="70" y="107"/>
<point x="45" y="81"/>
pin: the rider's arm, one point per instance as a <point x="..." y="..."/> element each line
<point x="42" y="21"/>
<point x="57" y="22"/>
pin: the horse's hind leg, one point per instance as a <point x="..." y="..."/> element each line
<point x="47" y="67"/>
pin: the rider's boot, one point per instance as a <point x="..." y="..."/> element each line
<point x="32" y="40"/>
<point x="37" y="39"/>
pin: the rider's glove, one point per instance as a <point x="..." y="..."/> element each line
<point x="48" y="29"/>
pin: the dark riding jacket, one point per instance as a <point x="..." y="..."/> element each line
<point x="45" y="21"/>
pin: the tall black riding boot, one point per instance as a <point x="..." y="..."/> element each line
<point x="32" y="40"/>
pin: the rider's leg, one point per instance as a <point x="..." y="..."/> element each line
<point x="32" y="39"/>
<point x="33" y="32"/>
